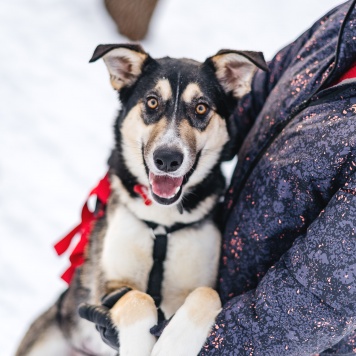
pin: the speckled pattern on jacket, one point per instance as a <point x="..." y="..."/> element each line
<point x="288" y="266"/>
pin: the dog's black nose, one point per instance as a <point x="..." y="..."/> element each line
<point x="167" y="160"/>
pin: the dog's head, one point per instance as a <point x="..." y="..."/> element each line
<point x="172" y="129"/>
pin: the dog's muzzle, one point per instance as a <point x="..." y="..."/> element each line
<point x="166" y="189"/>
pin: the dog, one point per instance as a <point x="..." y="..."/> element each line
<point x="171" y="135"/>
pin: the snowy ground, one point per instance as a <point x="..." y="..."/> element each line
<point x="56" y="113"/>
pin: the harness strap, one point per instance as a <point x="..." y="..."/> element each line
<point x="155" y="279"/>
<point x="160" y="236"/>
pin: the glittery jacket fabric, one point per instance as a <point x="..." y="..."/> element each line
<point x="288" y="267"/>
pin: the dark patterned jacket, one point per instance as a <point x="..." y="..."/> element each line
<point x="288" y="268"/>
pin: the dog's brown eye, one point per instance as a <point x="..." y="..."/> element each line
<point x="152" y="103"/>
<point x="201" y="109"/>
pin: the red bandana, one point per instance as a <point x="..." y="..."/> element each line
<point x="76" y="258"/>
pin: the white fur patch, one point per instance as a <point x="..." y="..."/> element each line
<point x="127" y="249"/>
<point x="192" y="261"/>
<point x="85" y="337"/>
<point x="136" y="340"/>
<point x="52" y="342"/>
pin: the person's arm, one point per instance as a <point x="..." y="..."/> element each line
<point x="249" y="107"/>
<point x="306" y="302"/>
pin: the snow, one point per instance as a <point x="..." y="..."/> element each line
<point x="56" y="114"/>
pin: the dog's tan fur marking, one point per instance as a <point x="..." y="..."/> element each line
<point x="116" y="82"/>
<point x="202" y="296"/>
<point x="191" y="91"/>
<point x="112" y="286"/>
<point x="157" y="130"/>
<point x="132" y="307"/>
<point x="164" y="88"/>
<point x="189" y="136"/>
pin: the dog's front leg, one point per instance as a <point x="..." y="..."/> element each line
<point x="187" y="331"/>
<point x="133" y="315"/>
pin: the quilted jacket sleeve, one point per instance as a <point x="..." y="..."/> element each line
<point x="307" y="301"/>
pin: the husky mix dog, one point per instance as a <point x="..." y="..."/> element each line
<point x="171" y="135"/>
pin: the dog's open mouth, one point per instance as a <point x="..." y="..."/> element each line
<point x="165" y="189"/>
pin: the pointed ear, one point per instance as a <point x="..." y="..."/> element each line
<point x="124" y="62"/>
<point x="235" y="69"/>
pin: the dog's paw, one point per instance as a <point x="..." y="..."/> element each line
<point x="133" y="315"/>
<point x="187" y="331"/>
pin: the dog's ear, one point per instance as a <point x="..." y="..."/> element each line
<point x="124" y="62"/>
<point x="235" y="69"/>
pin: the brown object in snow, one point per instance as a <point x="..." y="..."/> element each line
<point x="132" y="17"/>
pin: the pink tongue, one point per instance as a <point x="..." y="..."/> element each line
<point x="165" y="186"/>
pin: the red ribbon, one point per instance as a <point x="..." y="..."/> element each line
<point x="102" y="192"/>
<point x="76" y="258"/>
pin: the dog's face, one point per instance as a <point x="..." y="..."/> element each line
<point x="172" y="129"/>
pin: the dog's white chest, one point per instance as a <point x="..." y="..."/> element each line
<point x="191" y="259"/>
<point x="127" y="249"/>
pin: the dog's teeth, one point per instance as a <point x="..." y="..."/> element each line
<point x="177" y="190"/>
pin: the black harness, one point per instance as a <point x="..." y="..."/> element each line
<point x="160" y="236"/>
